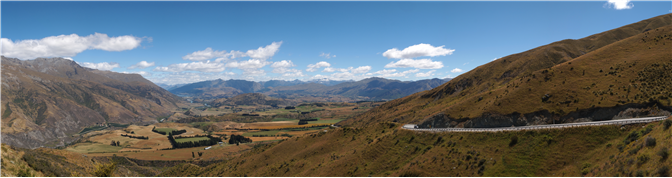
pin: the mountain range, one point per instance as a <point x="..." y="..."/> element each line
<point x="371" y="88"/>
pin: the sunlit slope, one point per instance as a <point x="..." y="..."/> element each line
<point x="382" y="149"/>
<point x="516" y="84"/>
<point x="46" y="102"/>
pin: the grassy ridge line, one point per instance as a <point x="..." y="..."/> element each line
<point x="461" y="97"/>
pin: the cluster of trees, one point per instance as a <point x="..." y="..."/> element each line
<point x="133" y="136"/>
<point x="174" y="132"/>
<point x="211" y="141"/>
<point x="237" y="139"/>
<point x="115" y="143"/>
<point x="305" y="121"/>
<point x="199" y="154"/>
<point x="176" y="137"/>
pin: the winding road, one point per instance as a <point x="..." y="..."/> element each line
<point x="537" y="127"/>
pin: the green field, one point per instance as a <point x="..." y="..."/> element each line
<point x="272" y="132"/>
<point x="93" y="147"/>
<point x="194" y="139"/>
<point x="164" y="129"/>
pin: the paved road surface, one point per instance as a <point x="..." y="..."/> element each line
<point x="536" y="127"/>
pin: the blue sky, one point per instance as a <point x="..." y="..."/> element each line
<point x="185" y="42"/>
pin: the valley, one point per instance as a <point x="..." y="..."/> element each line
<point x="600" y="105"/>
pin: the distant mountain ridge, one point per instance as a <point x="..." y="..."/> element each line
<point x="46" y="101"/>
<point x="371" y="88"/>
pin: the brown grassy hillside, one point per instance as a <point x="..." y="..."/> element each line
<point x="46" y="101"/>
<point x="592" y="72"/>
<point x="384" y="150"/>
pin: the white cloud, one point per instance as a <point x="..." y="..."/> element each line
<point x="193" y="66"/>
<point x="100" y="66"/>
<point x="142" y="65"/>
<point x="327" y="55"/>
<point x="68" y="58"/>
<point x="314" y="67"/>
<point x="66" y="45"/>
<point x="329" y="69"/>
<point x="143" y="73"/>
<point x="448" y="76"/>
<point x="264" y="53"/>
<point x="417" y="51"/>
<point x="283" y="64"/>
<point x="426" y="74"/>
<point x="420" y="64"/>
<point x="361" y="69"/>
<point x="456" y="70"/>
<point x="619" y="4"/>
<point x="206" y="54"/>
<point x="293" y="73"/>
<point x="392" y="73"/>
<point x="495" y="59"/>
<point x="251" y="64"/>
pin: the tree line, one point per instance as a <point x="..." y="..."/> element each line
<point x="133" y="136"/>
<point x="174" y="132"/>
<point x="211" y="141"/>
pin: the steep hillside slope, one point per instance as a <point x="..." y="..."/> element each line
<point x="581" y="77"/>
<point x="384" y="150"/>
<point x="45" y="102"/>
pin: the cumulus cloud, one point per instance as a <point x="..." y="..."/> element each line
<point x="392" y="73"/>
<point x="495" y="59"/>
<point x="420" y="64"/>
<point x="252" y="64"/>
<point x="261" y="53"/>
<point x="68" y="58"/>
<point x="327" y="55"/>
<point x="619" y="4"/>
<point x="426" y="74"/>
<point x="206" y="54"/>
<point x="100" y="66"/>
<point x="293" y="73"/>
<point x="456" y="70"/>
<point x="314" y="67"/>
<point x="264" y="53"/>
<point x="417" y="51"/>
<point x="66" y="45"/>
<point x="193" y="66"/>
<point x="142" y="65"/>
<point x="283" y="64"/>
<point x="329" y="69"/>
<point x="361" y="69"/>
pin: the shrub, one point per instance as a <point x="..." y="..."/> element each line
<point x="650" y="142"/>
<point x="634" y="135"/>
<point x="663" y="153"/>
<point x="663" y="171"/>
<point x="642" y="159"/>
<point x="514" y="140"/>
<point x="639" y="173"/>
<point x="666" y="124"/>
<point x="104" y="170"/>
